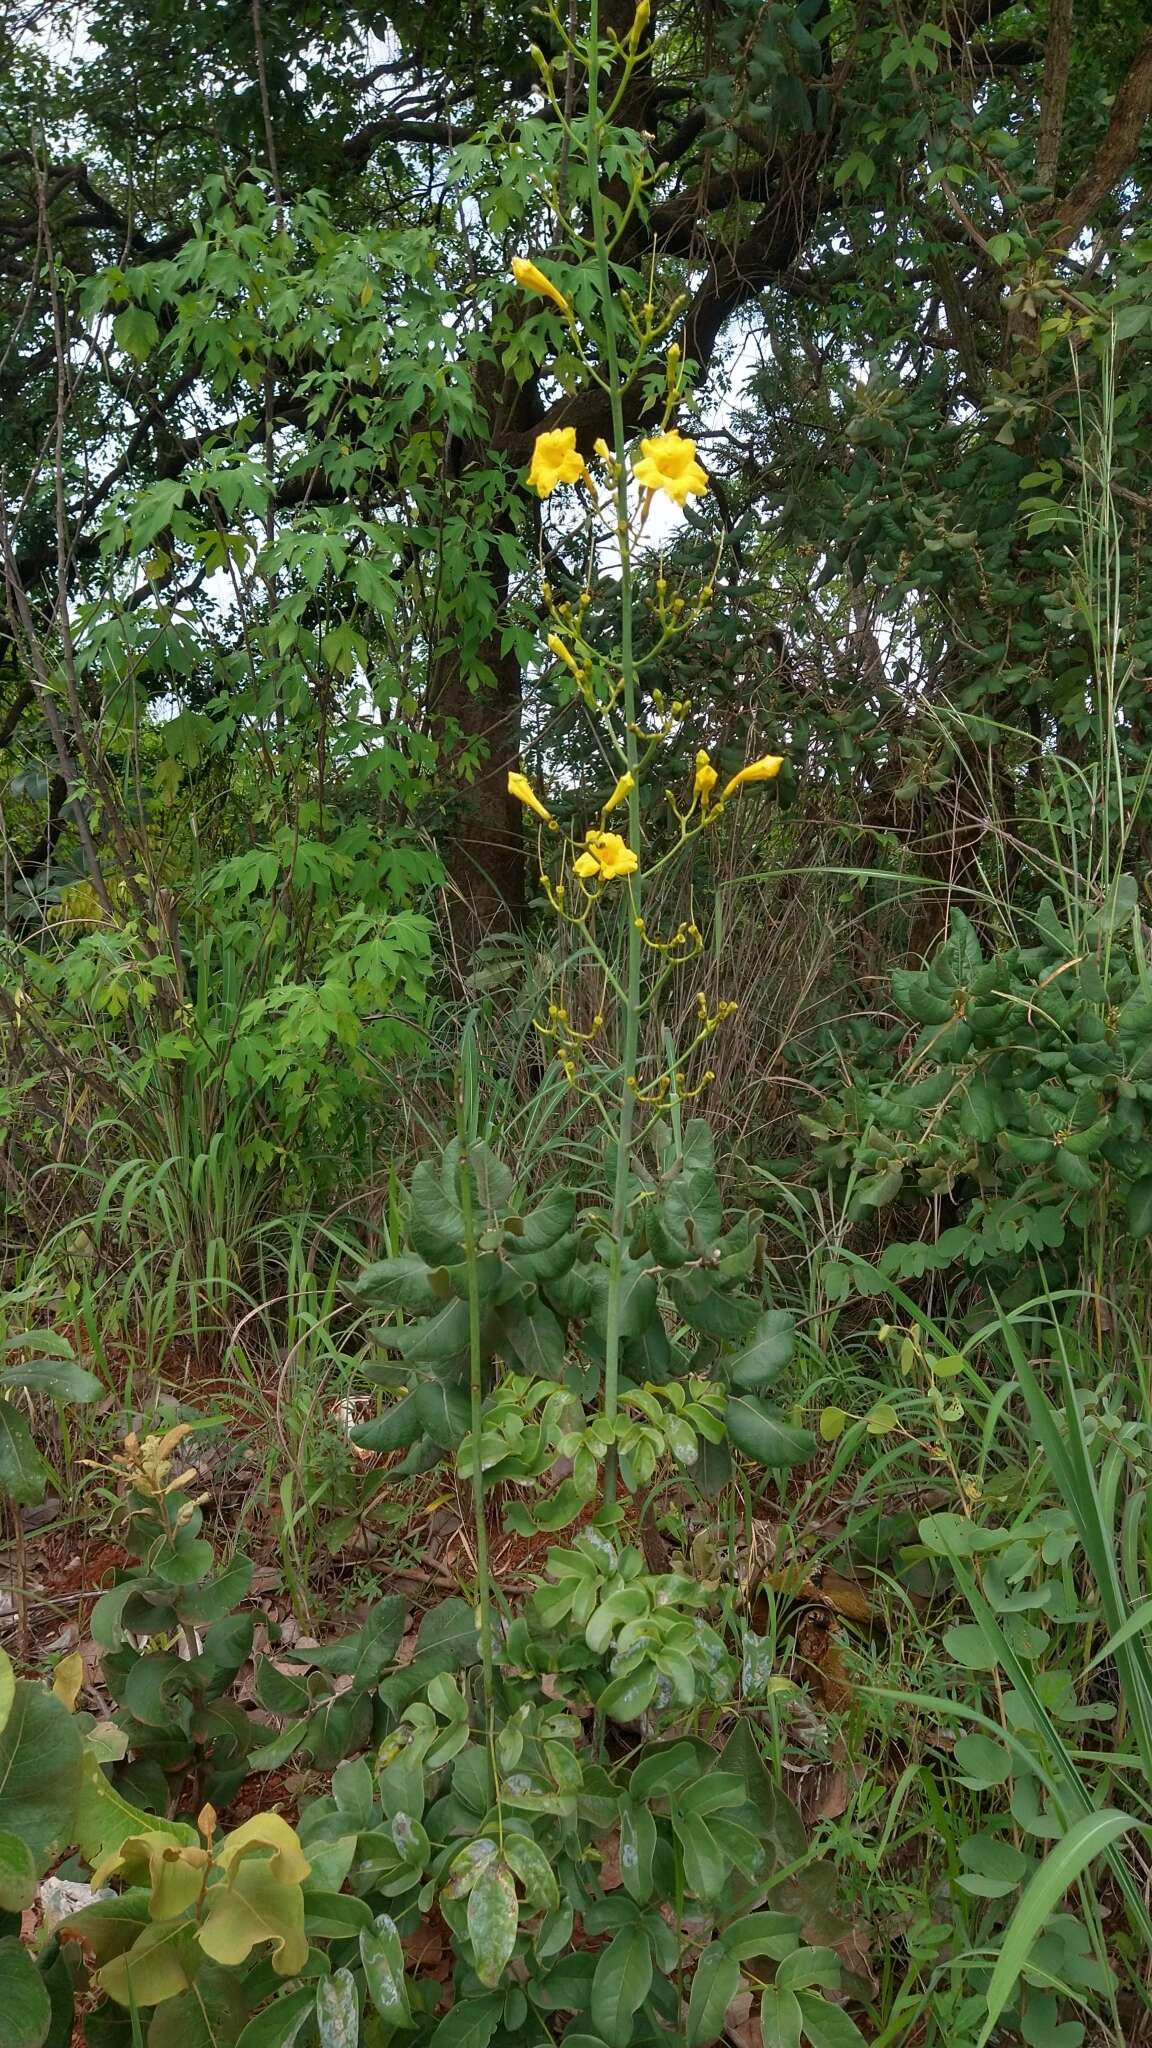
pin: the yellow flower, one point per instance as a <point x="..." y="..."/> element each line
<point x="520" y="787"/>
<point x="705" y="781"/>
<point x="534" y="280"/>
<point x="668" y="463"/>
<point x="764" y="770"/>
<point x="624" y="787"/>
<point x="556" y="646"/>
<point x="555" y="460"/>
<point x="608" y="857"/>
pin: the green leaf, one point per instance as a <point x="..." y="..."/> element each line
<point x="535" y="1338"/>
<point x="828" y="2026"/>
<point x="407" y="1283"/>
<point x="763" y="1435"/>
<point x="631" y="1694"/>
<point x="383" y="1960"/>
<point x="23" y="1474"/>
<point x="209" y="2015"/>
<point x="435" y="1223"/>
<point x="637" y="1850"/>
<point x="24" y="1999"/>
<point x="217" y="1597"/>
<point x="714" y="1986"/>
<point x="338" y="2011"/>
<point x="58" y="1378"/>
<point x="136" y="332"/>
<point x="1139" y="1206"/>
<point x="395" y="1430"/>
<point x="470" y="2024"/>
<point x="41" y="1759"/>
<point x="546" y="1224"/>
<point x="620" y="1984"/>
<point x="435" y="1342"/>
<point x="7" y="1688"/>
<point x="160" y="1964"/>
<point x="1085" y="1840"/>
<point x="493" y="1920"/>
<point x="526" y="1858"/>
<point x="781" y="2018"/>
<point x="444" y="1413"/>
<point x="638" y="1293"/>
<point x="280" y="2023"/>
<point x="19" y="1876"/>
<point x="768" y="1351"/>
<point x="806" y="1967"/>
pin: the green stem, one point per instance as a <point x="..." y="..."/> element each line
<point x="476" y="1390"/>
<point x="631" y="1031"/>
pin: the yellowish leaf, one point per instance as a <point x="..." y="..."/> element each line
<point x="288" y="1863"/>
<point x="255" y="1906"/>
<point x="68" y="1679"/>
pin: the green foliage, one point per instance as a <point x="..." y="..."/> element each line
<point x="543" y="1278"/>
<point x="1023" y="1100"/>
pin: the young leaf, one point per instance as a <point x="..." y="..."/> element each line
<point x="714" y="1986"/>
<point x="621" y="1983"/>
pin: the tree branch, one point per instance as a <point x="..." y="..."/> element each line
<point x="1130" y="110"/>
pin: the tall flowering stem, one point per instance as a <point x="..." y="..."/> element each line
<point x="632" y="983"/>
<point x="612" y="860"/>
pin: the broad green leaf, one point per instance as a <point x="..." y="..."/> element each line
<point x="470" y="2024"/>
<point x="160" y="1964"/>
<point x="828" y="2026"/>
<point x="136" y="332"/>
<point x="41" y="1752"/>
<point x="637" y="1850"/>
<point x="23" y="1473"/>
<point x="270" y="1755"/>
<point x="768" y="1351"/>
<point x="714" y="1986"/>
<point x="806" y="1967"/>
<point x="209" y="2015"/>
<point x="780" y="2019"/>
<point x="621" y="1983"/>
<point x="24" y="2000"/>
<point x="435" y="1222"/>
<point x="407" y="1283"/>
<point x="493" y="1918"/>
<point x="280" y="2023"/>
<point x="19" y="1876"/>
<point x="57" y="1377"/>
<point x="217" y="1597"/>
<point x="763" y="1435"/>
<point x="527" y="1859"/>
<point x="627" y="1697"/>
<point x="109" y="1926"/>
<point x="104" y="1819"/>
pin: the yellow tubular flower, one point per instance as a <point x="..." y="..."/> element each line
<point x="766" y="769"/>
<point x="668" y="463"/>
<point x="556" y="646"/>
<point x="555" y="460"/>
<point x="705" y="780"/>
<point x="608" y="858"/>
<point x="520" y="787"/>
<point x="624" y="787"/>
<point x="534" y="280"/>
